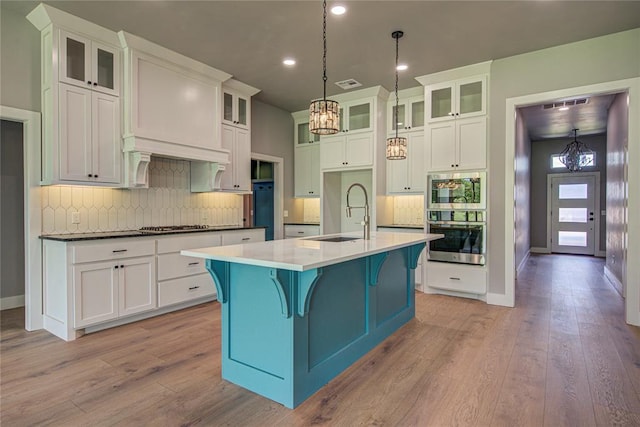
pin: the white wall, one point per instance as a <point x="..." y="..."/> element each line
<point x="617" y="143"/>
<point x="598" y="60"/>
<point x="522" y="192"/>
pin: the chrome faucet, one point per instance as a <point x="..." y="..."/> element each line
<point x="366" y="222"/>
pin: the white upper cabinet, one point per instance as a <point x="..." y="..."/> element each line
<point x="457" y="144"/>
<point x="301" y="134"/>
<point x="80" y="96"/>
<point x="356" y="116"/>
<point x="457" y="99"/>
<point x="408" y="176"/>
<point x="410" y="110"/>
<point x="307" y="171"/>
<point x="237" y="174"/>
<point x="346" y="151"/>
<point x="236" y="108"/>
<point x="87" y="63"/>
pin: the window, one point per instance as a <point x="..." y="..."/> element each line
<point x="556" y="163"/>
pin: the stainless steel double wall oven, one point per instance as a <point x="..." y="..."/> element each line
<point x="456" y="207"/>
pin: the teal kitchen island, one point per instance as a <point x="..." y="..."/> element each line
<point x="297" y="312"/>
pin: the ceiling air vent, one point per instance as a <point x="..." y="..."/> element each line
<point x="569" y="103"/>
<point x="349" y="84"/>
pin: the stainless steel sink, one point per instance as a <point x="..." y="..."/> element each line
<point x="335" y="239"/>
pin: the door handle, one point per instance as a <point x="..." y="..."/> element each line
<point x="590" y="219"/>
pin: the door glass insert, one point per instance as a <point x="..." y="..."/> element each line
<point x="75" y="59"/>
<point x="470" y="97"/>
<point x="441" y="102"/>
<point x="228" y="107"/>
<point x="417" y="114"/>
<point x="572" y="238"/>
<point x="359" y="116"/>
<point x="242" y="111"/>
<point x="572" y="215"/>
<point x="572" y="191"/>
<point x="400" y="122"/>
<point x="105" y="69"/>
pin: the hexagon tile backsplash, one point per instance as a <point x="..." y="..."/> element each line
<point x="408" y="210"/>
<point x="167" y="201"/>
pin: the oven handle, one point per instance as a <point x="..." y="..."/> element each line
<point x="455" y="223"/>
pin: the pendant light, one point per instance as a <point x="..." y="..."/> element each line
<point x="397" y="145"/>
<point x="324" y="114"/>
<point x="576" y="154"/>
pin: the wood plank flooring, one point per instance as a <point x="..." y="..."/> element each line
<point x="562" y="357"/>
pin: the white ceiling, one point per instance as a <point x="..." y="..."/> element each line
<point x="249" y="39"/>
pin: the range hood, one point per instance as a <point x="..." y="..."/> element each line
<point x="171" y="109"/>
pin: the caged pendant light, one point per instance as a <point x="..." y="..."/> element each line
<point x="575" y="156"/>
<point x="397" y="145"/>
<point x="324" y="114"/>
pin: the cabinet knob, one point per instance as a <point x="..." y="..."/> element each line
<point x="452" y="165"/>
<point x="456" y="165"/>
<point x="95" y="84"/>
<point x="90" y="176"/>
<point x="122" y="266"/>
<point x="116" y="266"/>
<point x="95" y="176"/>
<point x="89" y="83"/>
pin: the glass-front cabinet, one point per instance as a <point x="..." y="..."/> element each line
<point x="410" y="113"/>
<point x="89" y="64"/>
<point x="235" y="109"/>
<point x="303" y="136"/>
<point x="457" y="99"/>
<point x="356" y="116"/>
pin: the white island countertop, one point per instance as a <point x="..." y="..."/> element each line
<point x="308" y="253"/>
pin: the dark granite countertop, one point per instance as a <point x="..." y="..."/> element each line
<point x="302" y="223"/>
<point x="74" y="237"/>
<point x="416" y="227"/>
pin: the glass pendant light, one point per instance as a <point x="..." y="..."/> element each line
<point x="576" y="154"/>
<point x="324" y="114"/>
<point x="397" y="145"/>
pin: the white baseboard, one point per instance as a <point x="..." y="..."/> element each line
<point x="522" y="263"/>
<point x="499" y="299"/>
<point x="11" y="302"/>
<point x="617" y="284"/>
<point x="539" y="250"/>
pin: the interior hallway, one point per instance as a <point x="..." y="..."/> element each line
<point x="562" y="356"/>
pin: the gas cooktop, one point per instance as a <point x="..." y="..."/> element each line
<point x="171" y="228"/>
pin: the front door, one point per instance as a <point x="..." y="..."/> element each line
<point x="572" y="214"/>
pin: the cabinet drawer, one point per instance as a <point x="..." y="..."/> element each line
<point x="242" y="236"/>
<point x="184" y="289"/>
<point x="175" y="265"/>
<point x="457" y="277"/>
<point x="301" y="230"/>
<point x="116" y="249"/>
<point x="167" y="244"/>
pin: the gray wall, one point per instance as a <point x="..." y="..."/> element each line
<point x="272" y="134"/>
<point x="11" y="210"/>
<point x="522" y="190"/>
<point x="541" y="152"/>
<point x="598" y="60"/>
<point x="20" y="64"/>
<point x="617" y="143"/>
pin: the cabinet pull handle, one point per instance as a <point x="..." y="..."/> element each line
<point x="454" y="278"/>
<point x="193" y="287"/>
<point x="119" y="250"/>
<point x="300" y="232"/>
<point x="194" y="263"/>
<point x="246" y="238"/>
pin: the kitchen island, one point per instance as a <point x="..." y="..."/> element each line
<point x="297" y="312"/>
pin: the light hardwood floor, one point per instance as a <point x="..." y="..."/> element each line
<point x="562" y="356"/>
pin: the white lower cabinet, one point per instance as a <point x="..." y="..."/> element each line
<point x="469" y="279"/>
<point x="292" y="231"/>
<point x="97" y="284"/>
<point x="182" y="278"/>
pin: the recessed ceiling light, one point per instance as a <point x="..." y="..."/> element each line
<point x="289" y="62"/>
<point x="402" y="67"/>
<point x="338" y="10"/>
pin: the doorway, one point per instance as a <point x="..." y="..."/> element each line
<point x="264" y="165"/>
<point x="263" y="207"/>
<point x="572" y="213"/>
<point x="11" y="215"/>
